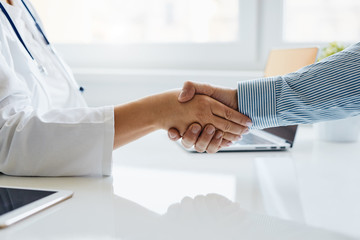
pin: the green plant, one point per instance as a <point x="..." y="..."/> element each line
<point x="331" y="49"/>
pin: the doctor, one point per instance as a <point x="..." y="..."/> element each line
<point x="46" y="129"/>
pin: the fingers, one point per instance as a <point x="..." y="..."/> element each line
<point x="190" y="89"/>
<point x="227" y="126"/>
<point x="215" y="143"/>
<point x="212" y="143"/>
<point x="232" y="137"/>
<point x="230" y="114"/>
<point x="225" y="143"/>
<point x="205" y="138"/>
<point x="208" y="139"/>
<point x="191" y="135"/>
<point x="174" y="134"/>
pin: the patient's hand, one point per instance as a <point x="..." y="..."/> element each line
<point x="201" y="139"/>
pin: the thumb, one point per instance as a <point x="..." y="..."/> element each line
<point x="188" y="92"/>
<point x="191" y="88"/>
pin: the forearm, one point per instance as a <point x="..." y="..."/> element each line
<point x="323" y="91"/>
<point x="135" y="120"/>
<point x="139" y="118"/>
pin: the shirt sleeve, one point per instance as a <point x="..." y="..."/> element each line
<point x="50" y="142"/>
<point x="326" y="90"/>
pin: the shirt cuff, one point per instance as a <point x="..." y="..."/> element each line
<point x="257" y="100"/>
<point x="108" y="140"/>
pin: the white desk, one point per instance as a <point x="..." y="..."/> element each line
<point x="316" y="183"/>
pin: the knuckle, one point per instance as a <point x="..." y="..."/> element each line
<point x="228" y="114"/>
<point x="227" y="127"/>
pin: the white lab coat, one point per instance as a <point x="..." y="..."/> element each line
<point x="46" y="129"/>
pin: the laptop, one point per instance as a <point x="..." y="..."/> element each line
<point x="280" y="62"/>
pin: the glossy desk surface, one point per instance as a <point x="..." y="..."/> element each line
<point x="160" y="191"/>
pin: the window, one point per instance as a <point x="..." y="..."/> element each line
<point x="178" y="34"/>
<point x="192" y="34"/>
<point x="306" y="23"/>
<point x="140" y="21"/>
<point x="321" y="20"/>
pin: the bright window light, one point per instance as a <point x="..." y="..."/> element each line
<point x="321" y="20"/>
<point x="139" y="21"/>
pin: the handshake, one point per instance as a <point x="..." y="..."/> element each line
<point x="202" y="115"/>
<point x="216" y="120"/>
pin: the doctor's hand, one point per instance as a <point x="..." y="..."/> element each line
<point x="203" y="110"/>
<point x="202" y="140"/>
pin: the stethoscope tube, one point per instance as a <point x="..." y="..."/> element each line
<point x="15" y="29"/>
<point x="17" y="32"/>
<point x="36" y="23"/>
<point x="41" y="68"/>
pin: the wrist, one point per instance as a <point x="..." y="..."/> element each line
<point x="134" y="120"/>
<point x="163" y="109"/>
<point x="148" y="111"/>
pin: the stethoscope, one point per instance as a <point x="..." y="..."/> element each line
<point x="41" y="68"/>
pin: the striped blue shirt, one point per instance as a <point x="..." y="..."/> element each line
<point x="326" y="90"/>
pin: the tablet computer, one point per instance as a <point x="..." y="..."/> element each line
<point x="19" y="203"/>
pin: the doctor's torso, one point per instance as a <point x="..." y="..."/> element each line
<point x="46" y="129"/>
<point x="38" y="69"/>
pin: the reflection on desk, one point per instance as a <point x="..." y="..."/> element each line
<point x="173" y="194"/>
<point x="210" y="217"/>
<point x="204" y="217"/>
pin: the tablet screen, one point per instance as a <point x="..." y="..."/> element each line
<point x="12" y="198"/>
